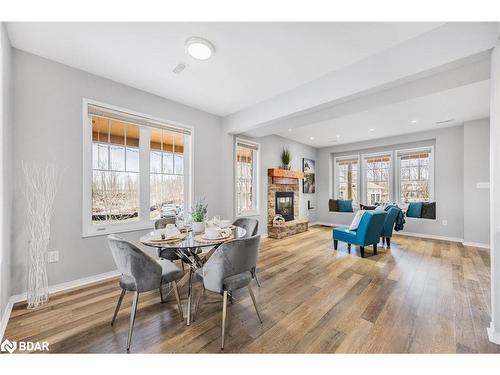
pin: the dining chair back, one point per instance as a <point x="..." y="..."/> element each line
<point x="250" y="225"/>
<point x="164" y="221"/>
<point x="133" y="263"/>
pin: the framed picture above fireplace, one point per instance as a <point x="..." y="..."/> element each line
<point x="309" y="181"/>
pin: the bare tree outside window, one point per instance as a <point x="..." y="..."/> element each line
<point x="348" y="179"/>
<point x="414" y="177"/>
<point x="244" y="178"/>
<point x="377" y="170"/>
<point x="115" y="171"/>
<point x="166" y="174"/>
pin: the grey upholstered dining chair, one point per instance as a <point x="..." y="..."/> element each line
<point x="141" y="273"/>
<point x="167" y="253"/>
<point x="164" y="221"/>
<point x="252" y="227"/>
<point x="229" y="269"/>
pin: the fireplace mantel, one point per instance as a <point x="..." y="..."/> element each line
<point x="284" y="176"/>
<point x="284" y="173"/>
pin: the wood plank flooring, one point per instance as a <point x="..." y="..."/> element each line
<point x="420" y="296"/>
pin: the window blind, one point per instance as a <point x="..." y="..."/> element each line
<point x="96" y="110"/>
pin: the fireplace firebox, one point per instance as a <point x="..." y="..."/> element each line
<point x="284" y="205"/>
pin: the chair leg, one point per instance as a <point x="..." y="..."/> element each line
<point x="349" y="247"/>
<point x="198" y="302"/>
<point x="132" y="319"/>
<point x="388" y="239"/>
<point x="161" y="292"/>
<point x="254" y="302"/>
<point x="256" y="278"/>
<point x="362" y="248"/>
<point x="178" y="299"/>
<point x="375" y="249"/>
<point x="224" y="308"/>
<point x="118" y="306"/>
<point x="383" y="241"/>
<point x="335" y="244"/>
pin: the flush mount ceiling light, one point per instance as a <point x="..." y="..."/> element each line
<point x="413" y="121"/>
<point x="199" y="48"/>
<point x="311" y="138"/>
<point x="372" y="129"/>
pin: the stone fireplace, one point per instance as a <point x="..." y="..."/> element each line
<point x="283" y="198"/>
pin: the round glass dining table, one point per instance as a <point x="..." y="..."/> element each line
<point x="189" y="248"/>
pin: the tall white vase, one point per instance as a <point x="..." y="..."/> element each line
<point x="42" y="181"/>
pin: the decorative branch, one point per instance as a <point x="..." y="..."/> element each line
<point x="42" y="182"/>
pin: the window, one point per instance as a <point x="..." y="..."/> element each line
<point x="377" y="178"/>
<point x="136" y="169"/>
<point x="246" y="172"/>
<point x="115" y="171"/>
<point x="415" y="175"/>
<point x="167" y="173"/>
<point x="347" y="178"/>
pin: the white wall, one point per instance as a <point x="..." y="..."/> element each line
<point x="449" y="179"/>
<point x="6" y="117"/>
<point x="270" y="157"/>
<point x="48" y="127"/>
<point x="476" y="170"/>
<point x="494" y="329"/>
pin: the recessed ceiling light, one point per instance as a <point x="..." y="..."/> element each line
<point x="372" y="129"/>
<point x="290" y="129"/>
<point x="311" y="138"/>
<point x="199" y="48"/>
<point x="413" y="121"/>
<point x="338" y="136"/>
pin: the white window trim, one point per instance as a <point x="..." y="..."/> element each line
<point x="336" y="177"/>
<point x="397" y="179"/>
<point x="364" y="182"/>
<point x="90" y="230"/>
<point x="256" y="178"/>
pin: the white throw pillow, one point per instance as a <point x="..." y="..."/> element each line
<point x="357" y="218"/>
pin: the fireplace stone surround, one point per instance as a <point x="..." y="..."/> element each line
<point x="289" y="186"/>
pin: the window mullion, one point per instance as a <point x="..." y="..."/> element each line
<point x="144" y="175"/>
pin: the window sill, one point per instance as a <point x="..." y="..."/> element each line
<point x="248" y="214"/>
<point x="112" y="229"/>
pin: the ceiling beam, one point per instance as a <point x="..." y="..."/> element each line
<point x="441" y="46"/>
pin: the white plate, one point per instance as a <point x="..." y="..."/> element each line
<point x="156" y="235"/>
<point x="220" y="237"/>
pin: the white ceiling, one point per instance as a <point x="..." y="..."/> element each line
<point x="461" y="104"/>
<point x="253" y="61"/>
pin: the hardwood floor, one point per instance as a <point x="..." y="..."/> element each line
<point x="421" y="296"/>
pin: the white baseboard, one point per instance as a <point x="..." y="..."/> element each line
<point x="493" y="336"/>
<point x="69" y="285"/>
<point x="430" y="236"/>
<point x="476" y="244"/>
<point x="5" y="319"/>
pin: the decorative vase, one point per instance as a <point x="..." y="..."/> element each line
<point x="42" y="182"/>
<point x="198" y="227"/>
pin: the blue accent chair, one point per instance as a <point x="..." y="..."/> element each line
<point x="368" y="232"/>
<point x="390" y="220"/>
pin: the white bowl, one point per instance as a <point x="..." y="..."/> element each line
<point x="212" y="233"/>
